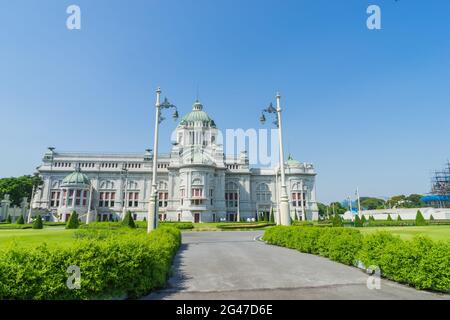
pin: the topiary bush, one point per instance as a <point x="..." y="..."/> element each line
<point x="337" y="221"/>
<point x="73" y="222"/>
<point x="357" y="221"/>
<point x="420" y="220"/>
<point x="37" y="223"/>
<point x="389" y="218"/>
<point x="128" y="221"/>
<point x="20" y="220"/>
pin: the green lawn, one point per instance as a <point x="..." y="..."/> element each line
<point x="33" y="238"/>
<point x="434" y="232"/>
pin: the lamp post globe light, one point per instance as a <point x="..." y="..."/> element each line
<point x="284" y="214"/>
<point x="152" y="214"/>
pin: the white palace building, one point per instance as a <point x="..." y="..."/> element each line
<point x="196" y="182"/>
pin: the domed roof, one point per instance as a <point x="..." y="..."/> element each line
<point x="197" y="115"/>
<point x="75" y="178"/>
<point x="291" y="162"/>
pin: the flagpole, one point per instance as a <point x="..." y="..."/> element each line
<point x="359" y="203"/>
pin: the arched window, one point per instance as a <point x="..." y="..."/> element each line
<point x="132" y="185"/>
<point x="107" y="184"/>
<point x="263" y="193"/>
<point x="162" y="185"/>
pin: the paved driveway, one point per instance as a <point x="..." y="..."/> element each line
<point x="235" y="265"/>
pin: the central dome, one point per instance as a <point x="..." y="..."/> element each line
<point x="197" y="115"/>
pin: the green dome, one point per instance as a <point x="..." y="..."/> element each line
<point x="197" y="115"/>
<point x="75" y="178"/>
<point x="292" y="162"/>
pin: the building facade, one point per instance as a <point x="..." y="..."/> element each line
<point x="196" y="182"/>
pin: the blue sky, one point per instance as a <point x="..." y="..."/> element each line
<point x="368" y="108"/>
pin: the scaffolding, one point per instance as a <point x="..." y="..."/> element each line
<point x="440" y="189"/>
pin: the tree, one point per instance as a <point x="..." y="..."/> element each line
<point x="399" y="218"/>
<point x="370" y="203"/>
<point x="20" y="220"/>
<point x="371" y="219"/>
<point x="389" y="218"/>
<point x="431" y="217"/>
<point x="363" y="220"/>
<point x="18" y="188"/>
<point x="272" y="216"/>
<point x="322" y="210"/>
<point x="128" y="220"/>
<point x="420" y="220"/>
<point x="337" y="208"/>
<point x="37" y="223"/>
<point x="337" y="221"/>
<point x="8" y="219"/>
<point x="357" y="221"/>
<point x="73" y="222"/>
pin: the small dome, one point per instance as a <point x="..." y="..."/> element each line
<point x="291" y="162"/>
<point x="197" y="115"/>
<point x="75" y="178"/>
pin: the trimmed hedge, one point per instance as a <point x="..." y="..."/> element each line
<point x="178" y="225"/>
<point x="15" y="226"/>
<point x="114" y="264"/>
<point x="243" y="226"/>
<point x="421" y="262"/>
<point x="338" y="244"/>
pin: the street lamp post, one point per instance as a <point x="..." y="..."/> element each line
<point x="152" y="214"/>
<point x="284" y="199"/>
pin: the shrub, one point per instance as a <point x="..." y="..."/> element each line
<point x="420" y="220"/>
<point x="272" y="216"/>
<point x="399" y="218"/>
<point x="20" y="220"/>
<point x="8" y="219"/>
<point x="363" y="220"/>
<point x="337" y="221"/>
<point x="357" y="221"/>
<point x="73" y="222"/>
<point x="421" y="262"/>
<point x="114" y="264"/>
<point x="338" y="244"/>
<point x="389" y="218"/>
<point x="431" y="217"/>
<point x="37" y="223"/>
<point x="176" y="224"/>
<point x="128" y="221"/>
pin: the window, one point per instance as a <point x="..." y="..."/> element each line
<point x="183" y="195"/>
<point x="64" y="197"/>
<point x="70" y="200"/>
<point x="297" y="199"/>
<point x="54" y="200"/>
<point x="78" y="198"/>
<point x="211" y="194"/>
<point x="231" y="195"/>
<point x="163" y="197"/>
<point x="263" y="193"/>
<point x="133" y="199"/>
<point x="107" y="199"/>
<point x="197" y="192"/>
